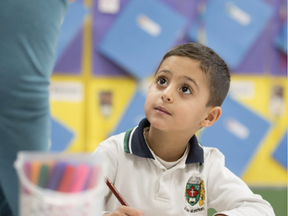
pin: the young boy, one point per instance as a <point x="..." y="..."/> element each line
<point x="159" y="167"/>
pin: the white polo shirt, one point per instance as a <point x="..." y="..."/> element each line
<point x="197" y="182"/>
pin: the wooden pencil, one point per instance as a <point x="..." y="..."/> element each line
<point x="116" y="192"/>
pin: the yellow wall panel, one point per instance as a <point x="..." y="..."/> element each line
<point x="107" y="100"/>
<point x="67" y="99"/>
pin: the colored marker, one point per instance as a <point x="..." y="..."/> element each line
<point x="66" y="178"/>
<point x="27" y="170"/>
<point x="44" y="171"/>
<point x="55" y="176"/>
<point x="35" y="171"/>
<point x="80" y="178"/>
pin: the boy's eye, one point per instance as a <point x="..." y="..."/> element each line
<point x="186" y="90"/>
<point x="161" y="81"/>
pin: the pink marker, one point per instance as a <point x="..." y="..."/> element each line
<point x="27" y="170"/>
<point x="80" y="178"/>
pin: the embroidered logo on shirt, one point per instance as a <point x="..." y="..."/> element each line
<point x="195" y="194"/>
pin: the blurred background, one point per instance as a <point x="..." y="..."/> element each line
<point x="109" y="49"/>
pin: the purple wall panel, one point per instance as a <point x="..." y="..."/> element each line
<point x="71" y="60"/>
<point x="263" y="57"/>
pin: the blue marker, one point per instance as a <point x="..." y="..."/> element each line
<point x="56" y="175"/>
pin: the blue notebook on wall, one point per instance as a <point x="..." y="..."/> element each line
<point x="61" y="136"/>
<point x="230" y="27"/>
<point x="280" y="153"/>
<point x="71" y="25"/>
<point x="237" y="134"/>
<point x="142" y="33"/>
<point x="133" y="115"/>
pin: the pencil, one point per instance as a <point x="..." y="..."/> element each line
<point x="116" y="192"/>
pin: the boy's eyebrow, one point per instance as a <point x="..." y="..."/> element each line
<point x="165" y="71"/>
<point x="192" y="80"/>
<point x="186" y="77"/>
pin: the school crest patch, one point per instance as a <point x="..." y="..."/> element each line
<point x="194" y="194"/>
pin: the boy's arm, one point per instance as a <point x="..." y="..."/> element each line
<point x="229" y="195"/>
<point x="110" y="163"/>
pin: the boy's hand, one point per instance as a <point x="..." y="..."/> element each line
<point x="124" y="211"/>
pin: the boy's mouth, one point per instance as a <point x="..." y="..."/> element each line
<point x="162" y="109"/>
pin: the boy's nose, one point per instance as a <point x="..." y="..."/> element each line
<point x="167" y="96"/>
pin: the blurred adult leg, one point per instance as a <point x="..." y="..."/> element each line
<point x="28" y="39"/>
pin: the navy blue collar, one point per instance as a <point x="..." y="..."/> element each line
<point x="134" y="143"/>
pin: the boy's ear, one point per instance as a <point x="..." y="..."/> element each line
<point x="212" y="117"/>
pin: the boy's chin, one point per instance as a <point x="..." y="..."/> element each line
<point x="158" y="124"/>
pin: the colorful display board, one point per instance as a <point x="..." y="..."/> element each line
<point x="112" y="99"/>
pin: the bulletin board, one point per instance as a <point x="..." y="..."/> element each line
<point x="113" y="92"/>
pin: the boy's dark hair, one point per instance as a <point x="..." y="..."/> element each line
<point x="211" y="64"/>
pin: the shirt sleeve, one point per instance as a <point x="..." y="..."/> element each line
<point x="229" y="195"/>
<point x="108" y="155"/>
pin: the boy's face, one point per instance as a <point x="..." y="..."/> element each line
<point x="177" y="96"/>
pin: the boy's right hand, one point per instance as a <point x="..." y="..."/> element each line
<point x="124" y="211"/>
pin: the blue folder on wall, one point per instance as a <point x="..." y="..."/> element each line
<point x="230" y="27"/>
<point x="237" y="134"/>
<point x="61" y="136"/>
<point x="71" y="25"/>
<point x="133" y="115"/>
<point x="280" y="154"/>
<point x="141" y="35"/>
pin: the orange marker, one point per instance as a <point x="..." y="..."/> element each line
<point x="35" y="171"/>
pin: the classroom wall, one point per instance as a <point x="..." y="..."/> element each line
<point x="96" y="92"/>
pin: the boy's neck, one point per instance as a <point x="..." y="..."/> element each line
<point x="168" y="146"/>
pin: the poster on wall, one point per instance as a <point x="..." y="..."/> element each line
<point x="231" y="27"/>
<point x="237" y="134"/>
<point x="144" y="31"/>
<point x="105" y="13"/>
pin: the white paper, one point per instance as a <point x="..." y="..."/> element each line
<point x="109" y="6"/>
